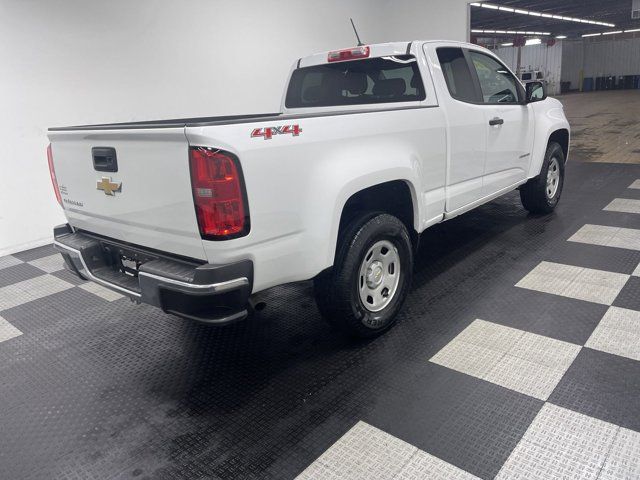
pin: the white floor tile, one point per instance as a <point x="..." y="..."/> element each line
<point x="628" y="238"/>
<point x="561" y="443"/>
<point x="423" y="466"/>
<point x="101" y="291"/>
<point x="623" y="460"/>
<point x="594" y="234"/>
<point x="7" y="331"/>
<point x="545" y="351"/>
<point x="50" y="264"/>
<point x="624" y="205"/>
<point x="9" y="261"/>
<point x="618" y="333"/>
<point x="635" y="184"/>
<point x="521" y="361"/>
<point x="636" y="272"/>
<point x="467" y="358"/>
<point x="364" y="452"/>
<point x="490" y="335"/>
<point x="534" y="365"/>
<point x="550" y="277"/>
<point x="29" y="290"/>
<point x="526" y="377"/>
<point x="533" y="462"/>
<point x="596" y="286"/>
<point x="580" y="283"/>
<point x="561" y="429"/>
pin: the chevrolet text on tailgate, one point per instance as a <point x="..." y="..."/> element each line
<point x="374" y="145"/>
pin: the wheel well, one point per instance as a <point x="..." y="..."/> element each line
<point x="392" y="197"/>
<point x="562" y="138"/>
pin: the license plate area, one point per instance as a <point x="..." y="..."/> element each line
<point x="129" y="266"/>
<point x="126" y="261"/>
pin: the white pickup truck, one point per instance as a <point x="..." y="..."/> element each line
<point x="373" y="145"/>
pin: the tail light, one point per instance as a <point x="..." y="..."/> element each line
<point x="52" y="172"/>
<point x="348" y="54"/>
<point x="218" y="194"/>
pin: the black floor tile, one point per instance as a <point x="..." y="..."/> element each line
<point x="604" y="386"/>
<point x="629" y="297"/>
<point x="18" y="273"/>
<point x="610" y="259"/>
<point x="553" y="316"/>
<point x="613" y="219"/>
<point x="35" y="253"/>
<point x="415" y="405"/>
<point x="484" y="429"/>
<point x="631" y="193"/>
<point x="69" y="276"/>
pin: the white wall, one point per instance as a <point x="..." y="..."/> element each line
<point x="537" y="57"/>
<point x="599" y="58"/>
<point x="572" y="63"/>
<point x="68" y="62"/>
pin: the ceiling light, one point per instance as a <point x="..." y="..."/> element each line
<point x="610" y="33"/>
<point x="510" y="32"/>
<point x="539" y="14"/>
<point x="561" y="37"/>
<point x="533" y="41"/>
<point x="510" y="44"/>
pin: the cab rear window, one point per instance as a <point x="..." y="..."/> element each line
<point x="358" y="82"/>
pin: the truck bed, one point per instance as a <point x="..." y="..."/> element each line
<point x="225" y="120"/>
<point x="171" y="123"/>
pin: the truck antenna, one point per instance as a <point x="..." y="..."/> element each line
<point x="360" y="44"/>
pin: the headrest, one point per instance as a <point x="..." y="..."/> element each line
<point x="356" y="82"/>
<point x="312" y="94"/>
<point x="332" y="85"/>
<point x="414" y="82"/>
<point x="393" y="87"/>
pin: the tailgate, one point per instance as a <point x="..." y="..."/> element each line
<point x="145" y="200"/>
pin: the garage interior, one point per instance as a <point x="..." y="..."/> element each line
<point x="517" y="354"/>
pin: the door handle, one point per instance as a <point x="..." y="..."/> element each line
<point x="104" y="159"/>
<point x="496" y="121"/>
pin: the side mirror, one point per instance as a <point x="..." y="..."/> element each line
<point x="535" y="92"/>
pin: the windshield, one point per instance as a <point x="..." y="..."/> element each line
<point x="358" y="82"/>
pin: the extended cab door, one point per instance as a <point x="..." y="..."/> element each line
<point x="466" y="127"/>
<point x="508" y="123"/>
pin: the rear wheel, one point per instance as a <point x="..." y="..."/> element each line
<point x="365" y="289"/>
<point x="542" y="194"/>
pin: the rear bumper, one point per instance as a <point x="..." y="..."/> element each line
<point x="216" y="294"/>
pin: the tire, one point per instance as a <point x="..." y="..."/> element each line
<point x="351" y="296"/>
<point x="537" y="195"/>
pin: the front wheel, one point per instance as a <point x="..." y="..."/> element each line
<point x="542" y="194"/>
<point x="365" y="289"/>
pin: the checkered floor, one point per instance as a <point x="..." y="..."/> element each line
<point x="559" y="442"/>
<point x="517" y="357"/>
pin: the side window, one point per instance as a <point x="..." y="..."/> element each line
<point x="457" y="74"/>
<point x="498" y="85"/>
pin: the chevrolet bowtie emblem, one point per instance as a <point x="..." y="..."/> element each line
<point x="109" y="187"/>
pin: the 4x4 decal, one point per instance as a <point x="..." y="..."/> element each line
<point x="268" y="132"/>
